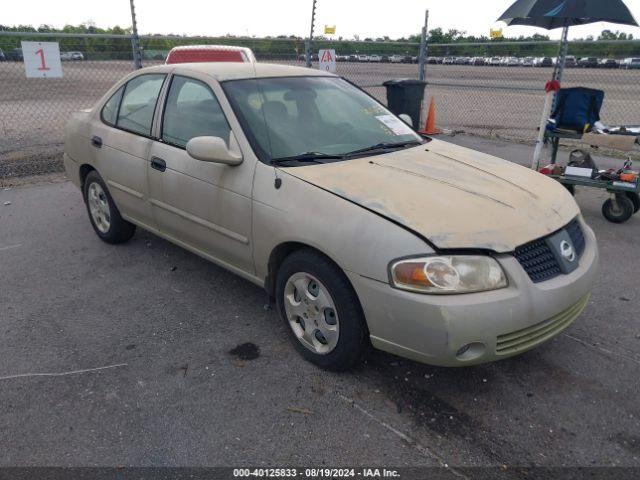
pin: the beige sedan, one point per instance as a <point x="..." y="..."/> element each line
<point x="362" y="231"/>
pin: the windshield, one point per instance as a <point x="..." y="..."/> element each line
<point x="286" y="117"/>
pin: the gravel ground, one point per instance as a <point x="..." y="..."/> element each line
<point x="192" y="369"/>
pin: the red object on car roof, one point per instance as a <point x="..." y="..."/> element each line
<point x="209" y="53"/>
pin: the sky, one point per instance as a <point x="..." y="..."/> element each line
<point x="365" y="18"/>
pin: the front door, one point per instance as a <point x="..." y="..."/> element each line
<point x="203" y="205"/>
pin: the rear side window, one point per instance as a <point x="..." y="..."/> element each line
<point x="192" y="110"/>
<point x="110" y="109"/>
<point x="139" y="102"/>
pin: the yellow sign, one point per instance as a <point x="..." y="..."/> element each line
<point x="329" y="29"/>
<point x="495" y="33"/>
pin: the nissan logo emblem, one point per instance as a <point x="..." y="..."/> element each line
<point x="567" y="251"/>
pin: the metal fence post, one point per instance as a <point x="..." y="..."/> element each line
<point x="135" y="39"/>
<point x="310" y="40"/>
<point x="423" y="49"/>
<point x="422" y="63"/>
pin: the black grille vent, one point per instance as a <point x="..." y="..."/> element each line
<point x="577" y="237"/>
<point x="538" y="261"/>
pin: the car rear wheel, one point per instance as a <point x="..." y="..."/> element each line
<point x="103" y="213"/>
<point x="321" y="311"/>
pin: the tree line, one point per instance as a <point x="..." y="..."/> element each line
<point x="441" y="43"/>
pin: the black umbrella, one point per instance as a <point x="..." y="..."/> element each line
<point x="551" y="14"/>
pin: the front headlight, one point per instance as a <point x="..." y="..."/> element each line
<point x="448" y="274"/>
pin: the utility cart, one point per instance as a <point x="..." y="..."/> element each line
<point x="625" y="195"/>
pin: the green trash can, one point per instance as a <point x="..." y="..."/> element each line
<point x="404" y="95"/>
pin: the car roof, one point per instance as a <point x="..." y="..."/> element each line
<point x="222" y="71"/>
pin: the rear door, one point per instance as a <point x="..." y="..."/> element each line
<point x="203" y="205"/>
<point x="122" y="140"/>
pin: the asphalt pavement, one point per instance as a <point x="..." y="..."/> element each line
<point x="144" y="354"/>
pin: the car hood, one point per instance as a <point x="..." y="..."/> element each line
<point x="453" y="196"/>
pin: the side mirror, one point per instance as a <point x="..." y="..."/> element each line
<point x="212" y="149"/>
<point x="406" y="119"/>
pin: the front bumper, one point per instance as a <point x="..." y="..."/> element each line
<point x="497" y="324"/>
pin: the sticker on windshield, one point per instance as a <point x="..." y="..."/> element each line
<point x="397" y="126"/>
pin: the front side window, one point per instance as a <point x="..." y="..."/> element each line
<point x="139" y="102"/>
<point x="110" y="109"/>
<point x="292" y="116"/>
<point x="192" y="110"/>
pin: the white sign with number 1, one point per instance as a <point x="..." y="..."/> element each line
<point x="42" y="59"/>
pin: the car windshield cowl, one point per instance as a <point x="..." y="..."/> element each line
<point x="318" y="157"/>
<point x="384" y="147"/>
<point x="310" y="157"/>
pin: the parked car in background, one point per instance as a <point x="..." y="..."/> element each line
<point x="526" y="62"/>
<point x="432" y="60"/>
<point x="462" y="61"/>
<point x="353" y="58"/>
<point x="478" y="61"/>
<point x="609" y="63"/>
<point x="543" y="62"/>
<point x="396" y="58"/>
<point x="3" y="58"/>
<point x="209" y="53"/>
<point x="375" y="58"/>
<point x="588" y="62"/>
<point x="570" y="62"/>
<point x="363" y="58"/>
<point x="511" y="62"/>
<point x="15" y="55"/>
<point x="66" y="56"/>
<point x="448" y="61"/>
<point x="631" y="63"/>
<point x="219" y="157"/>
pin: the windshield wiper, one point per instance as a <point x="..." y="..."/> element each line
<point x="315" y="157"/>
<point x="384" y="146"/>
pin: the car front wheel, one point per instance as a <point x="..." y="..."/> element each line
<point x="103" y="213"/>
<point x="321" y="311"/>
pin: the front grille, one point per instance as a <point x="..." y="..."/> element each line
<point x="539" y="262"/>
<point x="529" y="337"/>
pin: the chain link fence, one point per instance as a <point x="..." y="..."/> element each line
<point x="33" y="111"/>
<point x="496" y="89"/>
<point x="490" y="89"/>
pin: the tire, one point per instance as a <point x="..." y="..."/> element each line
<point x="620" y="211"/>
<point x="327" y="297"/>
<point x="635" y="199"/>
<point x="104" y="216"/>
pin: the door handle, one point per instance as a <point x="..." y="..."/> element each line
<point x="158" y="164"/>
<point x="96" y="141"/>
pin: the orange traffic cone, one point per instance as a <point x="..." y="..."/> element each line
<point x="430" y="125"/>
